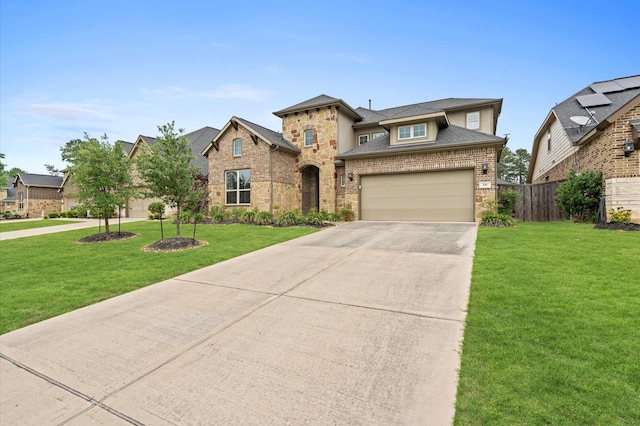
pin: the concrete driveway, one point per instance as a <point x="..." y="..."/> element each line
<point x="358" y="324"/>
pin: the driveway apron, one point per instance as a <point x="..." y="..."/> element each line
<point x="357" y="324"/>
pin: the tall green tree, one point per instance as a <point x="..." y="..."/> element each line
<point x="514" y="166"/>
<point x="167" y="170"/>
<point x="101" y="172"/>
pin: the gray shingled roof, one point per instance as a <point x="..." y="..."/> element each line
<point x="374" y="116"/>
<point x="29" y="179"/>
<point x="198" y="140"/>
<point x="571" y="107"/>
<point x="11" y="195"/>
<point x="317" y="102"/>
<point x="448" y="137"/>
<point x="128" y="146"/>
<point x="269" y="135"/>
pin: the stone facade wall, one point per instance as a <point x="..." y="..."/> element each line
<point x="470" y="158"/>
<point x="605" y="153"/>
<point x="324" y="122"/>
<point x="255" y="157"/>
<point x="38" y="201"/>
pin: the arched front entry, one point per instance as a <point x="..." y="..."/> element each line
<point x="310" y="188"/>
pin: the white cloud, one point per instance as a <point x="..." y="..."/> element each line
<point x="65" y="111"/>
<point x="228" y="91"/>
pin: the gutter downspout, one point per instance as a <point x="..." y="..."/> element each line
<point x="271" y="151"/>
<point x="27" y="213"/>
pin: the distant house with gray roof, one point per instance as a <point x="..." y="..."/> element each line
<point x="595" y="129"/>
<point x="37" y="195"/>
<point x="430" y="161"/>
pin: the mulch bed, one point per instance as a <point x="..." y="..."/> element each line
<point x="173" y="244"/>
<point x="107" y="236"/>
<point x="619" y="226"/>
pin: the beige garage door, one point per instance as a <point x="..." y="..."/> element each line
<point x="432" y="196"/>
<point x="139" y="207"/>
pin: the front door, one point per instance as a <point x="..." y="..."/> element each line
<point x="310" y="189"/>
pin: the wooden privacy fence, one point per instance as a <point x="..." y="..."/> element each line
<point x="536" y="202"/>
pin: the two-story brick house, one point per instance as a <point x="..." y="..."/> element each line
<point x="433" y="161"/>
<point x="37" y="195"/>
<point x="596" y="129"/>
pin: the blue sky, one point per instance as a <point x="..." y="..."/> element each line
<point x="125" y="67"/>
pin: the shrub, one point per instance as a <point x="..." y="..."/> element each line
<point x="315" y="218"/>
<point x="248" y="216"/>
<point x="497" y="220"/>
<point x="6" y="214"/>
<point x="72" y="213"/>
<point x="53" y="215"/>
<point x="218" y="213"/>
<point x="507" y="202"/>
<point x="264" y="218"/>
<point x="334" y="217"/>
<point x="62" y="214"/>
<point x="347" y="214"/>
<point x="156" y="209"/>
<point x="236" y="213"/>
<point x="620" y="215"/>
<point x="289" y="218"/>
<point x="579" y="196"/>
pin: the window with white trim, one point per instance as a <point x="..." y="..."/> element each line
<point x="238" y="185"/>
<point x="377" y="135"/>
<point x="342" y="181"/>
<point x="237" y="147"/>
<point x="413" y="131"/>
<point x="308" y="138"/>
<point x="549" y="139"/>
<point x="473" y="120"/>
<point x="21" y="201"/>
<point x="363" y="139"/>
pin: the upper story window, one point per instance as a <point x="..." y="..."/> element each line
<point x="377" y="135"/>
<point x="21" y="201"/>
<point x="237" y="147"/>
<point x="549" y="139"/>
<point x="473" y="120"/>
<point x="363" y="139"/>
<point x="308" y="138"/>
<point x="413" y="131"/>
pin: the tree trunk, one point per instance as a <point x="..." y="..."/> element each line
<point x="106" y="224"/>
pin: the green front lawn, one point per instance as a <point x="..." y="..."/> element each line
<point x="553" y="328"/>
<point x="8" y="225"/>
<point x="48" y="275"/>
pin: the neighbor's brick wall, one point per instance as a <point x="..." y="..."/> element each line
<point x="620" y="174"/>
<point x="254" y="157"/>
<point x="470" y="158"/>
<point x="324" y="123"/>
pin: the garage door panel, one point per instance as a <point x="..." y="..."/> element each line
<point x="431" y="196"/>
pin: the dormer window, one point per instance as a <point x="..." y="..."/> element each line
<point x="473" y="120"/>
<point x="413" y="131"/>
<point x="362" y="139"/>
<point x="237" y="147"/>
<point x="377" y="135"/>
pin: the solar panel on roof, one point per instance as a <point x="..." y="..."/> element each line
<point x="606" y="87"/>
<point x="629" y="82"/>
<point x="595" y="99"/>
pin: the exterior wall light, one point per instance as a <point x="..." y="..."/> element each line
<point x="485" y="168"/>
<point x="629" y="147"/>
<point x="350" y="175"/>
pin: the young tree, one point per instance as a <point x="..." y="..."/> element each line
<point x="53" y="170"/>
<point x="101" y="172"/>
<point x="514" y="166"/>
<point x="167" y="171"/>
<point x="579" y="196"/>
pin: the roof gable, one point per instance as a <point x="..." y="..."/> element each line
<point x="30" y="179"/>
<point x="267" y="135"/>
<point x="319" y="102"/>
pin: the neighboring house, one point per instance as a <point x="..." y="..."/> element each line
<point x="8" y="197"/>
<point x="589" y="132"/>
<point x="198" y="140"/>
<point x="69" y="191"/>
<point x="432" y="161"/>
<point x="37" y="195"/>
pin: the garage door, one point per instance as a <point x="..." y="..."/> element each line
<point x="431" y="196"/>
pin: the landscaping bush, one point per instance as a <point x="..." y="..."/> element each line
<point x="249" y="216"/>
<point x="316" y="218"/>
<point x="156" y="210"/>
<point x="218" y="213"/>
<point x="72" y="214"/>
<point x="507" y="202"/>
<point x="236" y="213"/>
<point x="264" y="218"/>
<point x="6" y="214"/>
<point x="492" y="217"/>
<point x="347" y="214"/>
<point x="334" y="217"/>
<point x="53" y="215"/>
<point x="62" y="214"/>
<point x="290" y="218"/>
<point x="620" y="215"/>
<point x="579" y="196"/>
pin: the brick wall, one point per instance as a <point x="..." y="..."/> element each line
<point x="470" y="158"/>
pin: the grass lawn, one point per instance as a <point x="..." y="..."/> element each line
<point x="8" y="226"/>
<point x="553" y="328"/>
<point x="48" y="275"/>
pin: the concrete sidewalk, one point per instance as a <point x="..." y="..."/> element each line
<point x="80" y="224"/>
<point x="358" y="324"/>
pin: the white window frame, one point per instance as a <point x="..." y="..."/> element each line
<point x="20" y="201"/>
<point x="412" y="131"/>
<point x="361" y="137"/>
<point x="237" y="190"/>
<point x="473" y="120"/>
<point x="308" y="132"/>
<point x="237" y="147"/>
<point x="377" y="135"/>
<point x="549" y="139"/>
<point x="343" y="181"/>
